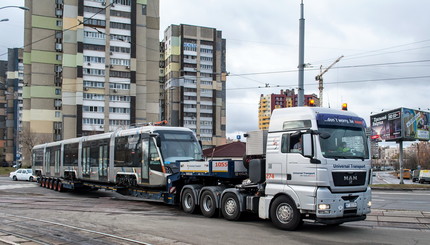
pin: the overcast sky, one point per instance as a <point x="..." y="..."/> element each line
<point x="385" y="43"/>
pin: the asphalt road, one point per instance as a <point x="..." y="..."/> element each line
<point x="34" y="214"/>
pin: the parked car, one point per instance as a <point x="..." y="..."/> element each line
<point x="415" y="175"/>
<point x="22" y="174"/>
<point x="424" y="176"/>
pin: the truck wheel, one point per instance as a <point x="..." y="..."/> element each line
<point x="421" y="181"/>
<point x="188" y="201"/>
<point x="230" y="207"/>
<point x="208" y="204"/>
<point x="284" y="214"/>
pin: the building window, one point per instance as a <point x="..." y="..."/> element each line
<point x="143" y="9"/>
<point x="121" y="62"/>
<point x="122" y="26"/>
<point x="119" y="86"/>
<point x="94" y="72"/>
<point x="59" y="23"/>
<point x="93" y="84"/>
<point x="117" y="13"/>
<point x="120" y="98"/>
<point x="94" y="47"/>
<point x="119" y="110"/>
<point x="95" y="35"/>
<point x="114" y="37"/>
<point x="57" y="114"/>
<point x="119" y="49"/>
<point x="93" y="109"/>
<point x="96" y="121"/>
<point x="58" y="57"/>
<point x="58" y="91"/>
<point x="94" y="59"/>
<point x="89" y="96"/>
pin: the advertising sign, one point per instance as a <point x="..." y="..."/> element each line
<point x="400" y="124"/>
<point x="415" y="124"/>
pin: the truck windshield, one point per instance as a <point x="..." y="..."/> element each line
<point x="179" y="145"/>
<point x="344" y="142"/>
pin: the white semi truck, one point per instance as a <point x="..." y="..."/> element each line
<point x="312" y="164"/>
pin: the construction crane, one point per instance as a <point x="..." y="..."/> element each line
<point x="319" y="78"/>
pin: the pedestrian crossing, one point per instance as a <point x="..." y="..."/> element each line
<point x="17" y="186"/>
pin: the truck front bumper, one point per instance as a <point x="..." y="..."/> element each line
<point x="339" y="206"/>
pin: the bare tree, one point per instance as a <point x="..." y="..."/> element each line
<point x="28" y="140"/>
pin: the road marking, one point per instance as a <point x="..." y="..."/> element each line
<point x="17" y="186"/>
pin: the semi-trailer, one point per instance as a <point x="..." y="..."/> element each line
<point x="311" y="164"/>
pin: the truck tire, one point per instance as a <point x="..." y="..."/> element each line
<point x="284" y="214"/>
<point x="208" y="204"/>
<point x="230" y="207"/>
<point x="188" y="201"/>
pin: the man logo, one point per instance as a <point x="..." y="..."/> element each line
<point x="350" y="179"/>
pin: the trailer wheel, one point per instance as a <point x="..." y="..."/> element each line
<point x="59" y="186"/>
<point x="54" y="185"/>
<point x="284" y="214"/>
<point x="208" y="204"/>
<point x="188" y="201"/>
<point x="230" y="207"/>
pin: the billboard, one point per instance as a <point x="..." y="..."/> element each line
<point x="401" y="124"/>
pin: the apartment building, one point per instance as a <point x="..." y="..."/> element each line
<point x="91" y="66"/>
<point x="195" y="81"/>
<point x="284" y="99"/>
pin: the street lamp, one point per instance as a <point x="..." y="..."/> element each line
<point x="20" y="7"/>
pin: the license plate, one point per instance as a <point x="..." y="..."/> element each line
<point x="350" y="205"/>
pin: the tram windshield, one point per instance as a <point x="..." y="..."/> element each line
<point x="179" y="145"/>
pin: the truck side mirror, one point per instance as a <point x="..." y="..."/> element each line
<point x="307" y="145"/>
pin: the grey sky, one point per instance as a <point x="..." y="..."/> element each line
<point x="262" y="37"/>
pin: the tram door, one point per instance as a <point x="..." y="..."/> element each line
<point x="145" y="158"/>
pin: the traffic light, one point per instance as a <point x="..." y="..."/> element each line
<point x="344" y="107"/>
<point x="311" y="102"/>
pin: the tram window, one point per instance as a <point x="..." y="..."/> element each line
<point x="38" y="157"/>
<point x="128" y="151"/>
<point x="71" y="154"/>
<point x="154" y="158"/>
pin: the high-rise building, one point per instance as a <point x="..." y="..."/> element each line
<point x="91" y="66"/>
<point x="195" y="81"/>
<point x="3" y="110"/>
<point x="284" y="99"/>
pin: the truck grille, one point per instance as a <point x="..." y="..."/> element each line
<point x="349" y="178"/>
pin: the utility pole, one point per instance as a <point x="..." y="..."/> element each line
<point x="319" y="78"/>
<point x="301" y="93"/>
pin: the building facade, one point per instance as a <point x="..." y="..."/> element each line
<point x="195" y="81"/>
<point x="284" y="99"/>
<point x="91" y="66"/>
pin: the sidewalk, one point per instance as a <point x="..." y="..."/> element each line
<point x="398" y="218"/>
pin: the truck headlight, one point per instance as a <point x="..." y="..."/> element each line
<point x="369" y="204"/>
<point x="323" y="206"/>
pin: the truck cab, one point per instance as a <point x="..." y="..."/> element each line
<point x="317" y="167"/>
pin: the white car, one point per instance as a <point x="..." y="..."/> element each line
<point x="22" y="174"/>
